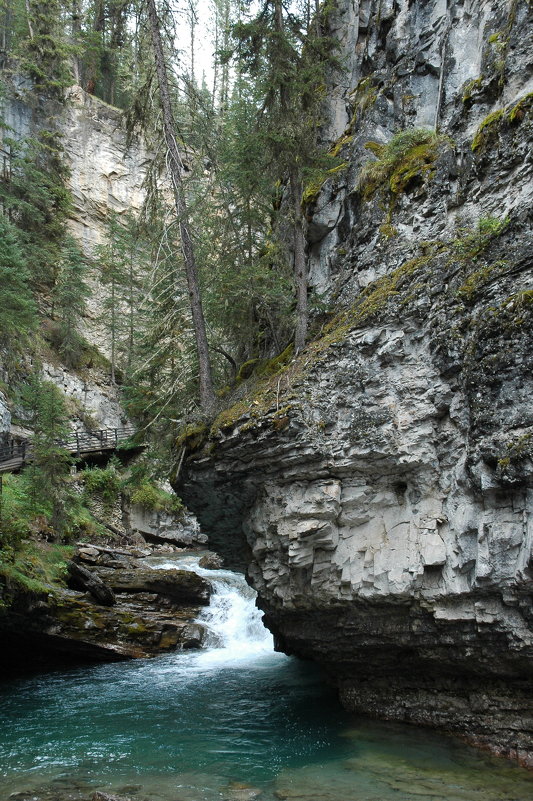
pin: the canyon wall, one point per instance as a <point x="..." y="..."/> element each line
<point x="106" y="175"/>
<point x="381" y="484"/>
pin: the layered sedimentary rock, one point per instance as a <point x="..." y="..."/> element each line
<point x="383" y="481"/>
<point x="115" y="607"/>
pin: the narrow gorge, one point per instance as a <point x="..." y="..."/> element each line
<point x="343" y="204"/>
<point x="383" y="478"/>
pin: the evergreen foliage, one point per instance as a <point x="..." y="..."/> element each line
<point x="33" y="196"/>
<point x="69" y="298"/>
<point x="49" y="470"/>
<point x="247" y="145"/>
<point x="17" y="316"/>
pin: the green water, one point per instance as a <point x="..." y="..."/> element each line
<point x="204" y="726"/>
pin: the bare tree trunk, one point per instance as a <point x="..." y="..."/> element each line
<point x="75" y="30"/>
<point x="207" y="395"/>
<point x="300" y="266"/>
<point x="193" y="19"/>
<point x="28" y="17"/>
<point x="295" y="188"/>
<point x="224" y="87"/>
<point x="216" y="46"/>
<point x="113" y="331"/>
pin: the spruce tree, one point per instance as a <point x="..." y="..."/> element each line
<point x="17" y="309"/>
<point x="113" y="263"/>
<point x="70" y="294"/>
<point x="175" y="167"/>
<point x="287" y="61"/>
<point x="49" y="469"/>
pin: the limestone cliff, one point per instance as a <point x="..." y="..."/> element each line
<point x="383" y="479"/>
<point x="105" y="175"/>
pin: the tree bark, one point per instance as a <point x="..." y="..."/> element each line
<point x="300" y="266"/>
<point x="207" y="395"/>
<point x="295" y="188"/>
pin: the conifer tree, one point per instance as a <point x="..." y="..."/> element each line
<point x="287" y="63"/>
<point x="49" y="469"/>
<point x="70" y="294"/>
<point x="17" y="309"/>
<point x="175" y="166"/>
<point x="113" y="263"/>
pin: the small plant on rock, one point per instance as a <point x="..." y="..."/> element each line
<point x="408" y="157"/>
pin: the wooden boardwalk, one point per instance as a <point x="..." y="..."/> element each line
<point x="15" y="454"/>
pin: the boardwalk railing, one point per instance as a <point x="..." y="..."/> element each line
<point x="15" y="454"/>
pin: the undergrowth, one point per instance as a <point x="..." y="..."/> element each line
<point x="34" y="567"/>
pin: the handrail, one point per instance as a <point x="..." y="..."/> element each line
<point x="79" y="443"/>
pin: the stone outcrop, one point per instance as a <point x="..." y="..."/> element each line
<point x="180" y="585"/>
<point x="158" y="526"/>
<point x="383" y="482"/>
<point x="117" y="607"/>
<point x="5" y="419"/>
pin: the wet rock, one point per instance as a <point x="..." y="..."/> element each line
<point x="211" y="561"/>
<point x="100" y="796"/>
<point x="238" y="791"/>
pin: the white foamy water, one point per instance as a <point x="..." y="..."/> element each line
<point x="234" y="628"/>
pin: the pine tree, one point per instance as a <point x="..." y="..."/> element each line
<point x="48" y="472"/>
<point x="287" y="63"/>
<point x="175" y="166"/>
<point x="45" y="51"/>
<point x="70" y="294"/>
<point x="17" y="309"/>
<point x="113" y="262"/>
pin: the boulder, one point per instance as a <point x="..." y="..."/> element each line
<point x="180" y="585"/>
<point x="211" y="561"/>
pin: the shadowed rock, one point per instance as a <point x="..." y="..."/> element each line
<point x="82" y="579"/>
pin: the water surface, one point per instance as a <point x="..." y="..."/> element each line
<point x="223" y="723"/>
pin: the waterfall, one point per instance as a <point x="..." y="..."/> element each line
<point x="234" y="628"/>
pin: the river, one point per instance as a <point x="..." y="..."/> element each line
<point x="233" y="721"/>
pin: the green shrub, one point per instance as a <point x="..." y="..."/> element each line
<point x="474" y="241"/>
<point x="155" y="499"/>
<point x="102" y="481"/>
<point x="36" y="567"/>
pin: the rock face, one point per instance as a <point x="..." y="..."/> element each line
<point x="384" y="480"/>
<point x="107" y="175"/>
<point x="126" y="611"/>
<point x="5" y="419"/>
<point x="159" y="526"/>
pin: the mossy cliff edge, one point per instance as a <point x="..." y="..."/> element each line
<point x="379" y="485"/>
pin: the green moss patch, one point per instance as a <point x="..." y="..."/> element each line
<point x="410" y="155"/>
<point x="489" y="130"/>
<point x="36" y="567"/>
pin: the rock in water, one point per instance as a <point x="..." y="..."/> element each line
<point x="211" y="561"/>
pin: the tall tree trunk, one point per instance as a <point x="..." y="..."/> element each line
<point x="300" y="266"/>
<point x="113" y="330"/>
<point x="295" y="188"/>
<point x="75" y="30"/>
<point x="224" y="86"/>
<point x="207" y="394"/>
